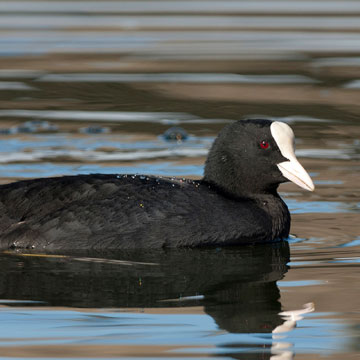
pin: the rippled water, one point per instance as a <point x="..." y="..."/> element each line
<point x="144" y="87"/>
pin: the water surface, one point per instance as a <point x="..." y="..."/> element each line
<point x="89" y="87"/>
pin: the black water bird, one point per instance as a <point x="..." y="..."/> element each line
<point x="236" y="202"/>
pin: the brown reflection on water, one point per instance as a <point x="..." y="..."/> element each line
<point x="100" y="351"/>
<point x="261" y="94"/>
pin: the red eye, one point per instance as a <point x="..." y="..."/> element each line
<point x="264" y="144"/>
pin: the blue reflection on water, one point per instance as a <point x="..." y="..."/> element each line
<point x="196" y="332"/>
<point x="299" y="207"/>
<point x="96" y="142"/>
<point x="355" y="242"/>
<point x="299" y="283"/>
<point x="51" y="169"/>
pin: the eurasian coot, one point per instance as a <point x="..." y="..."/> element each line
<point x="235" y="203"/>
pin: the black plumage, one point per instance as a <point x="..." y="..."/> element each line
<point x="235" y="203"/>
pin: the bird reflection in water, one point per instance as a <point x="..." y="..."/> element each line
<point x="237" y="287"/>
